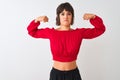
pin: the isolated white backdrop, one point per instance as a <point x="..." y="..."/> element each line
<point x="25" y="58"/>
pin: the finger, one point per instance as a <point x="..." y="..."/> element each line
<point x="45" y="20"/>
<point x="85" y="18"/>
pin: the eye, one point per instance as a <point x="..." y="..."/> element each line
<point x="69" y="13"/>
<point x="62" y="14"/>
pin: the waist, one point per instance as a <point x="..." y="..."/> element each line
<point x="65" y="66"/>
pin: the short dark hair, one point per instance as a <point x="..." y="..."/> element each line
<point x="64" y="6"/>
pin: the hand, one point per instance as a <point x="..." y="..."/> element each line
<point x="88" y="16"/>
<point x="41" y="19"/>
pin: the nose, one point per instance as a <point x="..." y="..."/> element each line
<point x="66" y="16"/>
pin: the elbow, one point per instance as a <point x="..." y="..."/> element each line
<point x="32" y="34"/>
<point x="103" y="29"/>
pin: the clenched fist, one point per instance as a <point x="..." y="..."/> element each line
<point x="88" y="16"/>
<point x="41" y="19"/>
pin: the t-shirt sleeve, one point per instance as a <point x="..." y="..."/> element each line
<point x="38" y="33"/>
<point x="99" y="28"/>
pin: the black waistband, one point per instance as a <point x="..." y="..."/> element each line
<point x="54" y="69"/>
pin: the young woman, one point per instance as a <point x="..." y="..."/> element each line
<point x="65" y="41"/>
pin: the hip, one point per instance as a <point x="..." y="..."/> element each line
<point x="56" y="74"/>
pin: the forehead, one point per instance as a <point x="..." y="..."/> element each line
<point x="65" y="11"/>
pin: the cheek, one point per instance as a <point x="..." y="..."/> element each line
<point x="61" y="19"/>
<point x="70" y="17"/>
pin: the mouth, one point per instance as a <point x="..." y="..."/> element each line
<point x="65" y="20"/>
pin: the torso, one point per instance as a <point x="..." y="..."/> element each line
<point x="64" y="66"/>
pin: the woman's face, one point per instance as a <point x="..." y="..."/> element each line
<point x="65" y="18"/>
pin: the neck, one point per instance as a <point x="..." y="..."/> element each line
<point x="64" y="28"/>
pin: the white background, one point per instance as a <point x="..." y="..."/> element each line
<point x="25" y="58"/>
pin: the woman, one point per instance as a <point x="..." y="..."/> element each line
<point x="65" y="41"/>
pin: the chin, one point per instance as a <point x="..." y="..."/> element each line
<point x="66" y="24"/>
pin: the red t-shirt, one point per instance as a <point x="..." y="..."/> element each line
<point x="65" y="45"/>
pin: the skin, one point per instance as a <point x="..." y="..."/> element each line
<point x="65" y="23"/>
<point x="65" y="20"/>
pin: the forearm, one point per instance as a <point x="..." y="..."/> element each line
<point x="97" y="22"/>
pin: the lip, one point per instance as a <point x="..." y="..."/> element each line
<point x="65" y="20"/>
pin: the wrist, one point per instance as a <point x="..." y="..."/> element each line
<point x="93" y="16"/>
<point x="36" y="21"/>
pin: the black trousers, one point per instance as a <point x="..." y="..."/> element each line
<point x="56" y="74"/>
